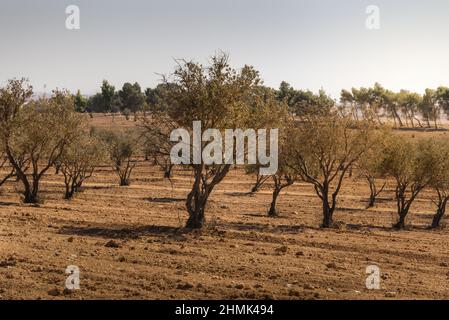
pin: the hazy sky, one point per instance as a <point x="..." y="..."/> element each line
<point x="310" y="44"/>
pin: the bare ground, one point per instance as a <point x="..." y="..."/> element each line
<point x="242" y="254"/>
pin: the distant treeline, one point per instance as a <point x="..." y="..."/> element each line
<point x="378" y="104"/>
<point x="130" y="99"/>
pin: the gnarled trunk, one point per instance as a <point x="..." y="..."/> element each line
<point x="441" y="209"/>
<point x="373" y="190"/>
<point x="201" y="189"/>
<point x="437" y="218"/>
<point x="260" y="180"/>
<point x="403" y="204"/>
<point x="196" y="205"/>
<point x="401" y="222"/>
<point x="31" y="193"/>
<point x="328" y="213"/>
<point x="273" y="212"/>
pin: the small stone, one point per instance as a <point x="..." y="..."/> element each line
<point x="282" y="249"/>
<point x="294" y="293"/>
<point x="67" y="291"/>
<point x="299" y="253"/>
<point x="390" y="294"/>
<point x="112" y="244"/>
<point x="185" y="286"/>
<point x="70" y="239"/>
<point x="331" y="265"/>
<point x="239" y="286"/>
<point x="54" y="292"/>
<point x="308" y="287"/>
<point x="444" y="264"/>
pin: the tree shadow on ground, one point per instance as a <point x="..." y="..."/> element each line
<point x="120" y="232"/>
<point x="424" y="129"/>
<point x="9" y="204"/>
<point x="166" y="199"/>
<point x="359" y="226"/>
<point x="240" y="194"/>
<point x="261" y="227"/>
<point x="98" y="187"/>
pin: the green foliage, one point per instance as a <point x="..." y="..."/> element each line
<point x="107" y="94"/>
<point x="42" y="130"/>
<point x="80" y="102"/>
<point x="157" y="99"/>
<point x="131" y="97"/>
<point x="79" y="160"/>
<point x="321" y="150"/>
<point x="305" y="103"/>
<point x="122" y="147"/>
<point x="413" y="165"/>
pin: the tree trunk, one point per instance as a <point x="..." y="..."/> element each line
<point x="201" y="189"/>
<point x="272" y="212"/>
<point x="373" y="190"/>
<point x="196" y="206"/>
<point x="196" y="203"/>
<point x="31" y="193"/>
<point x="260" y="180"/>
<point x="255" y="187"/>
<point x="403" y="205"/>
<point x="196" y="220"/>
<point x="439" y="213"/>
<point x="401" y="223"/>
<point x="70" y="189"/>
<point x="69" y="194"/>
<point x="437" y="218"/>
<point x="327" y="215"/>
<point x="168" y="171"/>
<point x="124" y="182"/>
<point x="372" y="200"/>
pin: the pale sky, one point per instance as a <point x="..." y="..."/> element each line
<point x="311" y="44"/>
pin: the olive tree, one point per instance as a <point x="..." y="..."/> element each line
<point x="439" y="180"/>
<point x="79" y="161"/>
<point x="13" y="97"/>
<point x="220" y="97"/>
<point x="370" y="162"/>
<point x="156" y="140"/>
<point x="412" y="166"/>
<point x="322" y="149"/>
<point x="282" y="179"/>
<point x="285" y="176"/>
<point x="122" y="147"/>
<point x="254" y="169"/>
<point x="41" y="131"/>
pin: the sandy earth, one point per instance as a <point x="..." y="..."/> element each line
<point x="242" y="254"/>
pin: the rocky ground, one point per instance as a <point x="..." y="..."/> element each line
<point x="128" y="243"/>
